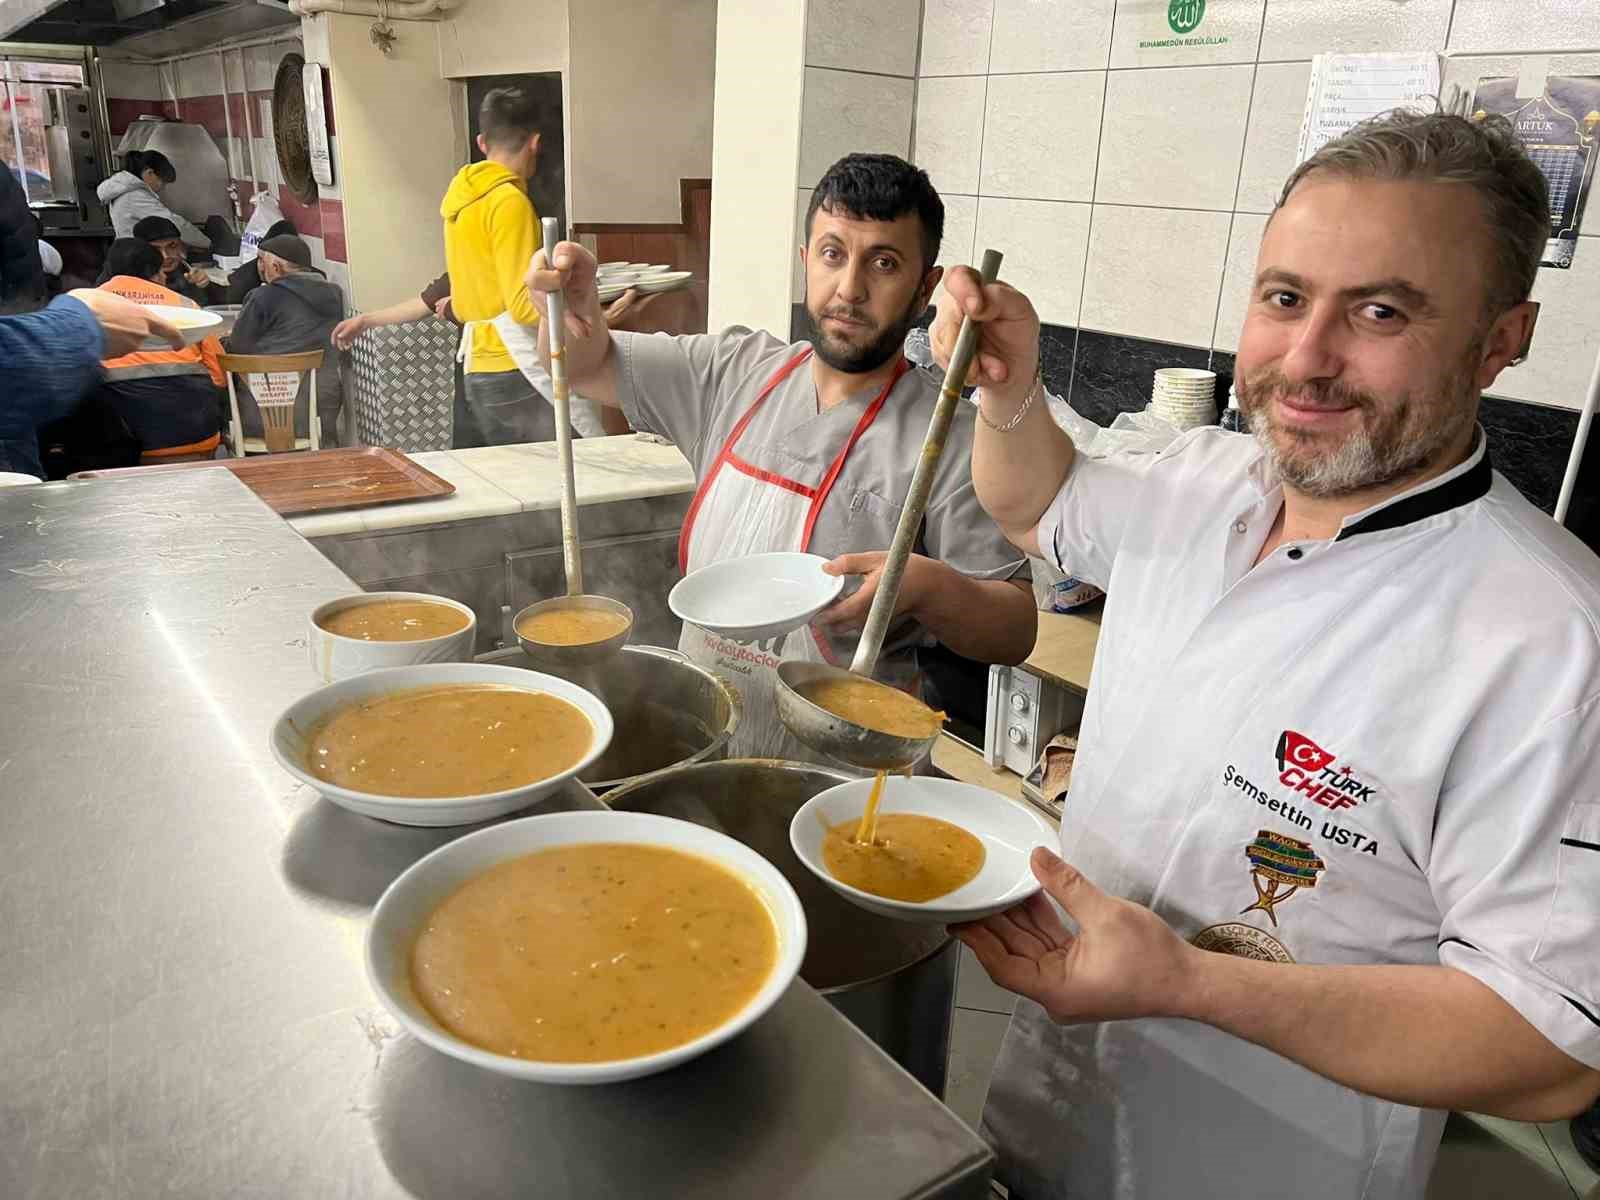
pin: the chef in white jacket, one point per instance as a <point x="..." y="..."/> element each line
<point x="1331" y="854"/>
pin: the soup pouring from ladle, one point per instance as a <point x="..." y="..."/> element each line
<point x="575" y="630"/>
<point x="834" y="733"/>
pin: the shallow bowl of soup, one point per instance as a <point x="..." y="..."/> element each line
<point x="441" y="743"/>
<point x="585" y="947"/>
<point x="944" y="851"/>
<point x="387" y="629"/>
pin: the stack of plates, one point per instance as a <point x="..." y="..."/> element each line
<point x="1185" y="396"/>
<point x="615" y="278"/>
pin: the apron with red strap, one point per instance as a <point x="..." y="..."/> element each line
<point x="741" y="509"/>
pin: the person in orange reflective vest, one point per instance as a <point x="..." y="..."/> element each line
<point x="170" y="399"/>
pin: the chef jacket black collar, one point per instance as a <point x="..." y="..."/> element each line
<point x="1461" y="485"/>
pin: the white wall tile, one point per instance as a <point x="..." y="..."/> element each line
<point x="1040" y="134"/>
<point x="1173" y="137"/>
<point x="1273" y="135"/>
<point x="1238" y="272"/>
<point x="1051" y="35"/>
<point x="198" y="77"/>
<point x="1302" y="28"/>
<point x="1567" y="337"/>
<point x="1467" y="70"/>
<point x="844" y="112"/>
<point x="949" y="132"/>
<point x="130" y="80"/>
<point x="1229" y="32"/>
<point x="849" y="35"/>
<point x="955" y="37"/>
<point x="1525" y="25"/>
<point x="960" y="222"/>
<point x="1154" y="273"/>
<point x="263" y="62"/>
<point x="1044" y="243"/>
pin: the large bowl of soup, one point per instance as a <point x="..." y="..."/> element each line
<point x="585" y="947"/>
<point x="387" y="629"/>
<point x="441" y="743"/>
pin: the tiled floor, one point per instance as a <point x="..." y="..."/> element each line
<point x="1482" y="1158"/>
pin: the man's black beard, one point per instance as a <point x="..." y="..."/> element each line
<point x="858" y="361"/>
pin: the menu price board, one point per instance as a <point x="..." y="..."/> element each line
<point x="1558" y="128"/>
<point x="1346" y="89"/>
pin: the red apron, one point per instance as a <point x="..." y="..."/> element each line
<point x="738" y="510"/>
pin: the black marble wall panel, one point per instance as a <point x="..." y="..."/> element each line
<point x="1112" y="374"/>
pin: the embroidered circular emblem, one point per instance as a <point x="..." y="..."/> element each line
<point x="1242" y="941"/>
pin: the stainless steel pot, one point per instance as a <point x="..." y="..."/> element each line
<point x="668" y="711"/>
<point x="896" y="981"/>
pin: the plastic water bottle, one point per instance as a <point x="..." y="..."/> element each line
<point x="919" y="350"/>
<point x="1232" y="417"/>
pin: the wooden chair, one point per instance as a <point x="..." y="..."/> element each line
<point x="302" y="364"/>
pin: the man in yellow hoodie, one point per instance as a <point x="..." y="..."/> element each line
<point x="490" y="235"/>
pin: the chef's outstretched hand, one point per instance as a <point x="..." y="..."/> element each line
<point x="567" y="268"/>
<point x="348" y="330"/>
<point x="1123" y="961"/>
<point x="1008" y="332"/>
<point x="850" y="614"/>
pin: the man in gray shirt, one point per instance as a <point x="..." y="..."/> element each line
<point x="811" y="446"/>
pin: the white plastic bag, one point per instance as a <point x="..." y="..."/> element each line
<point x="1136" y="432"/>
<point x="263" y="217"/>
<point x="1140" y="432"/>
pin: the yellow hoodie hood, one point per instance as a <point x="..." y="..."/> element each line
<point x="475" y="181"/>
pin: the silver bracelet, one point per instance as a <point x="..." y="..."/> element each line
<point x="1016" y="417"/>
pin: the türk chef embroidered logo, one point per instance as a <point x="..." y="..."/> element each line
<point x="1279" y="867"/>
<point x="1306" y="768"/>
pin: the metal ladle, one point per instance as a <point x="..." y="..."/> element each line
<point x="580" y="654"/>
<point x="826" y="731"/>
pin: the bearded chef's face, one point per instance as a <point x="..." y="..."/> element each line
<point x="1367" y="339"/>
<point x="865" y="286"/>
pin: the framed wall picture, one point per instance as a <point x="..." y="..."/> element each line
<point x="1560" y="128"/>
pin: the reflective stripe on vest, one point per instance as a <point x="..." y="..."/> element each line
<point x="155" y="370"/>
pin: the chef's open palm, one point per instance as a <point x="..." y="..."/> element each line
<point x="1122" y="961"/>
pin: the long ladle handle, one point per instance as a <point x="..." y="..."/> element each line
<point x="905" y="534"/>
<point x="571" y="555"/>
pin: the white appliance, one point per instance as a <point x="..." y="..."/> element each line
<point x="1025" y="711"/>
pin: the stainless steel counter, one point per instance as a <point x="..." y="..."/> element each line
<point x="183" y="1010"/>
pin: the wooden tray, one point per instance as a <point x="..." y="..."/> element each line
<point x="314" y="481"/>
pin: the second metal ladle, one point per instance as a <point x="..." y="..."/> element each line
<point x="826" y="731"/>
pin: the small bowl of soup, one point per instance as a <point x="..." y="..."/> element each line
<point x="585" y="947"/>
<point x="938" y="851"/>
<point x="441" y="743"/>
<point x="388" y="629"/>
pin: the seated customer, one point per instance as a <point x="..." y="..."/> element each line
<point x="169" y="399"/>
<point x="246" y="277"/>
<point x="176" y="274"/>
<point x="293" y="311"/>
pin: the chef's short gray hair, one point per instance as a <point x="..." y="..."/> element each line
<point x="1482" y="153"/>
